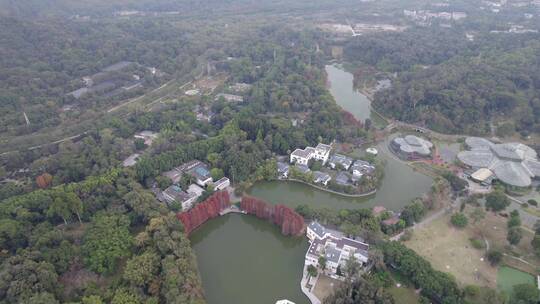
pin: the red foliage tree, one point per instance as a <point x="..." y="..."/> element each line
<point x="204" y="211"/>
<point x="44" y="180"/>
<point x="291" y="223"/>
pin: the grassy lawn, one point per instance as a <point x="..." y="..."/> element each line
<point x="325" y="287"/>
<point x="450" y="250"/>
<point x="508" y="277"/>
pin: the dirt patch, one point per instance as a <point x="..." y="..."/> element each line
<point x="325" y="286"/>
<point x="450" y="250"/>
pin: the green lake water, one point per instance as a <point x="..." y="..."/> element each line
<point x="243" y="259"/>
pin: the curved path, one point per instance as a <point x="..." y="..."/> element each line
<point x="328" y="190"/>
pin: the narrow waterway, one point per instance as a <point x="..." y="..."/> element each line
<point x="245" y="260"/>
<point x="400" y="185"/>
<point x="341" y="87"/>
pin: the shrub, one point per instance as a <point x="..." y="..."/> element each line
<point x="494" y="257"/>
<point x="459" y="220"/>
<point x="472" y="290"/>
<point x="532" y="202"/>
<point x="478" y="244"/>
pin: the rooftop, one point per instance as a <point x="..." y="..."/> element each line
<point x="341" y="159"/>
<point x="515" y="164"/>
<point x="413" y="144"/>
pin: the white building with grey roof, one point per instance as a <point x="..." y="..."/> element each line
<point x="302" y="156"/>
<point x="334" y="247"/>
<point x="411" y="147"/>
<point x="513" y="163"/>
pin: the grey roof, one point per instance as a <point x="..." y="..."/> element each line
<point x="363" y="166"/>
<point x="178" y="194"/>
<point x="302" y="168"/>
<point x="342" y="178"/>
<point x="323" y="147"/>
<point x="513" y="163"/>
<point x="282" y="167"/>
<point x="413" y="144"/>
<point x="332" y="254"/>
<point x="317" y="228"/>
<point x="345" y="161"/>
<point x="319" y="176"/>
<point x="305" y="153"/>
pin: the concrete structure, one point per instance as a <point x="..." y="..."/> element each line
<point x="514" y="164"/>
<point x="338" y="159"/>
<point x="302" y="156"/>
<point x="222" y="183"/>
<point x="321" y="177"/>
<point x="195" y="190"/>
<point x="336" y="248"/>
<point x="230" y="97"/>
<point x="372" y="151"/>
<point x="176" y="194"/>
<point x="131" y="160"/>
<point x="284" y="302"/>
<point x="411" y="147"/>
<point x="147" y="136"/>
<point x="195" y="168"/>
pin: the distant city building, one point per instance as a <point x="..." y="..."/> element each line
<point x="411" y="147"/>
<point x="336" y="248"/>
<point x="514" y="164"/>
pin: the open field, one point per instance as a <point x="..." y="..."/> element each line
<point x="450" y="250"/>
<point x="325" y="286"/>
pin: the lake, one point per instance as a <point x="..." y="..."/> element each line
<point x="246" y="260"/>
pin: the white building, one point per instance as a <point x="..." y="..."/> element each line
<point x="175" y="194"/>
<point x="303" y="156"/>
<point x="222" y="183"/>
<point x="336" y="248"/>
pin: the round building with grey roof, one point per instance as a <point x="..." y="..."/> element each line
<point x="514" y="164"/>
<point x="411" y="147"/>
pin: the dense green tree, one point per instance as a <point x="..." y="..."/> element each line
<point x="497" y="201"/>
<point x="459" y="220"/>
<point x="106" y="241"/>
